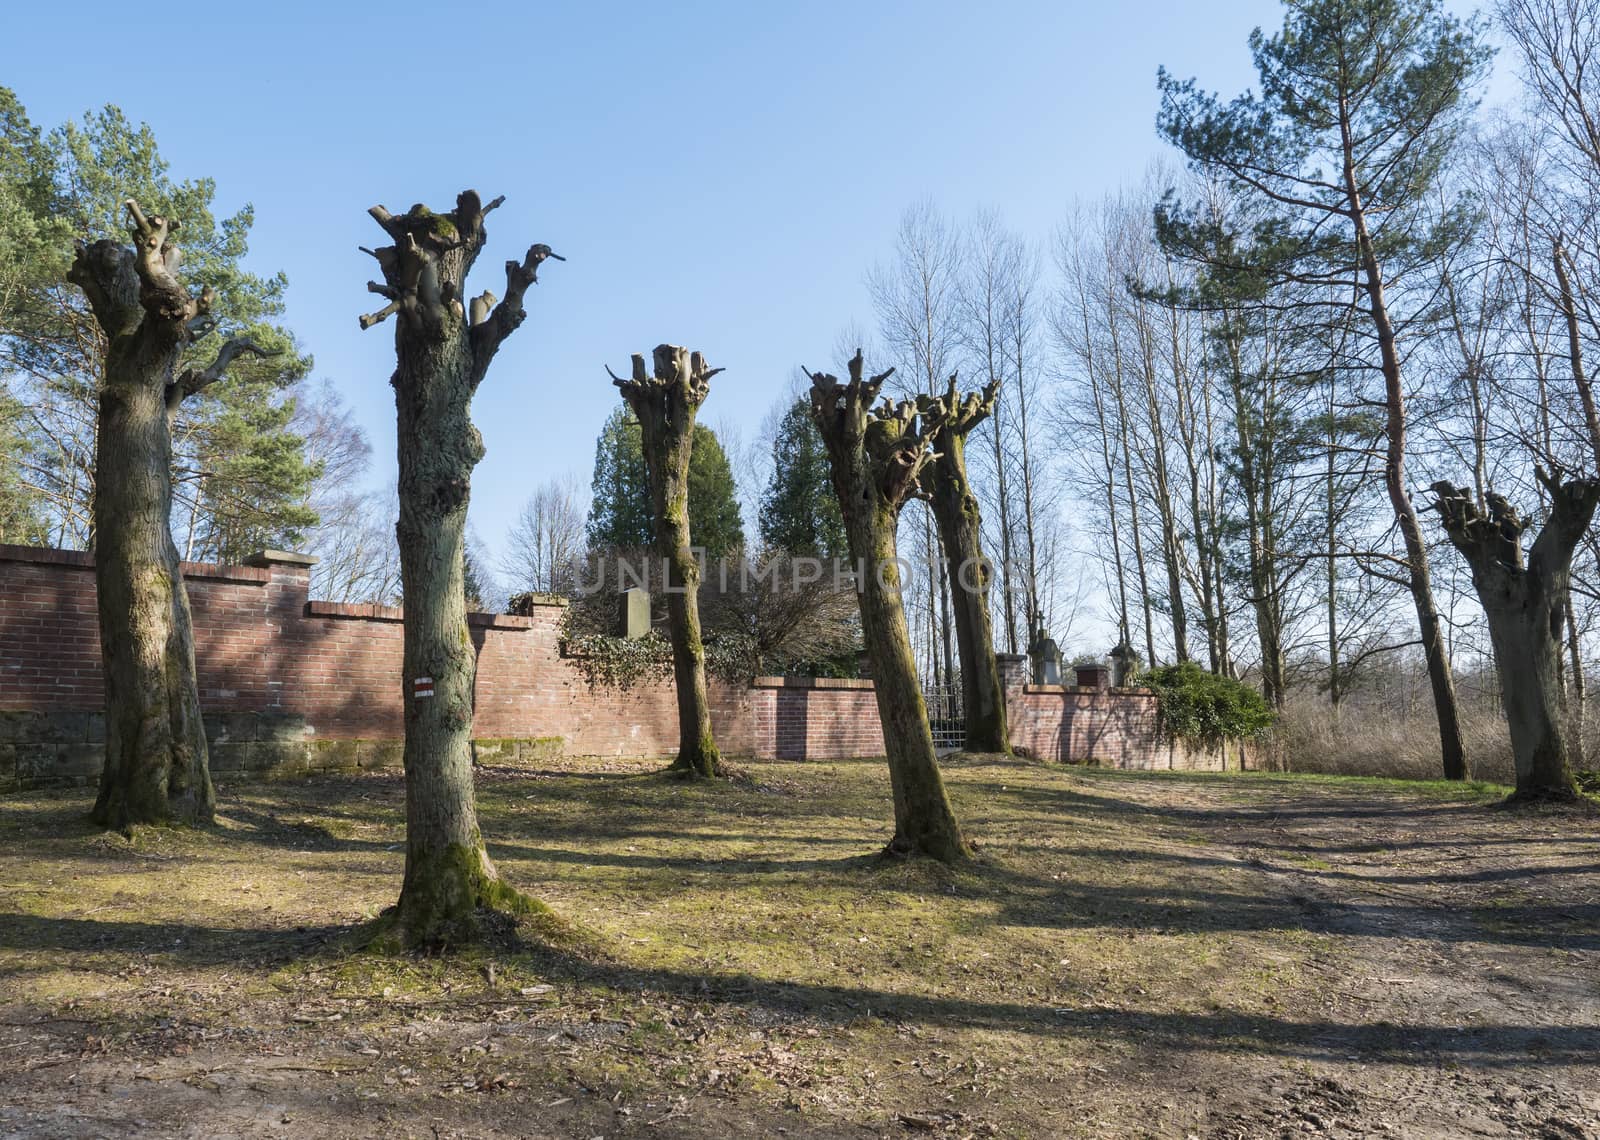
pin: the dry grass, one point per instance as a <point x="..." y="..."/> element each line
<point x="1369" y="741"/>
<point x="1131" y="955"/>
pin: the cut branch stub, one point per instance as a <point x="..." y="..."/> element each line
<point x="679" y="382"/>
<point x="893" y="439"/>
<point x="136" y="292"/>
<point x="425" y="272"/>
<point x="424" y="269"/>
<point x="125" y="285"/>
<point x="1495" y="533"/>
<point x="957" y="413"/>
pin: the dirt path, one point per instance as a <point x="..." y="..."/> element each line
<point x="1462" y="996"/>
<point x="1134" y="955"/>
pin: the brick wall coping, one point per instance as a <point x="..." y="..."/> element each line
<point x="281" y="558"/>
<point x="1086" y="690"/>
<point x="369" y="611"/>
<point x="540" y="598"/>
<point x="810" y="683"/>
<point x="83" y="560"/>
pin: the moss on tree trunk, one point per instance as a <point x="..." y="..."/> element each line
<point x="442" y="356"/>
<point x="156" y="768"/>
<point x="875" y="457"/>
<point x="665" y="401"/>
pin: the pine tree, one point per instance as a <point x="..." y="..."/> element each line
<point x="1341" y="152"/>
<point x="620" y="514"/>
<point x="799" y="511"/>
<point x="239" y="470"/>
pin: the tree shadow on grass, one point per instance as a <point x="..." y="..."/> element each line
<point x="1482" y="1045"/>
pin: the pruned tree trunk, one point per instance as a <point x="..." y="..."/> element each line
<point x="1525" y="603"/>
<point x="443" y="352"/>
<point x="156" y="768"/>
<point x="955" y="508"/>
<point x="876" y="457"/>
<point x="665" y="402"/>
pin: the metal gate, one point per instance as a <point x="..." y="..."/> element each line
<point x="947" y="717"/>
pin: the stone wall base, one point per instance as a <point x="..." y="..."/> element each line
<point x="67" y="749"/>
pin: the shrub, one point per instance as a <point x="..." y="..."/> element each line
<point x="1203" y="708"/>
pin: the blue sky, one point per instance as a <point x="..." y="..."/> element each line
<point x="719" y="175"/>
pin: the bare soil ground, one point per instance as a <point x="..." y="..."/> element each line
<point x="1212" y="956"/>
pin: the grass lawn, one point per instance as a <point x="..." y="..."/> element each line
<point x="1212" y="955"/>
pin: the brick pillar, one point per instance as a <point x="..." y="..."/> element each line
<point x="279" y="662"/>
<point x="291" y="578"/>
<point x="1094" y="676"/>
<point x="1013" y="671"/>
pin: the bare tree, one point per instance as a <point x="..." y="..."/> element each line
<point x="547" y="538"/>
<point x="156" y="763"/>
<point x="988" y="292"/>
<point x="788" y="611"/>
<point x="918" y="300"/>
<point x="665" y="401"/>
<point x="876" y="457"/>
<point x="444" y="344"/>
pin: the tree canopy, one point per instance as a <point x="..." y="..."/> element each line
<point x="799" y="511"/>
<point x="241" y="473"/>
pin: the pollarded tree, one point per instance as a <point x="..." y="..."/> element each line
<point x="444" y="344"/>
<point x="955" y="508"/>
<point x="156" y="763"/>
<point x="665" y="401"/>
<point x="1525" y="601"/>
<point x="876" y="457"/>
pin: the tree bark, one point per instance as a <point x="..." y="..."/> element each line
<point x="665" y="403"/>
<point x="955" y="508"/>
<point x="1525" y="603"/>
<point x="876" y="458"/>
<point x="156" y="767"/>
<point x="441" y="360"/>
<point x="1452" y="746"/>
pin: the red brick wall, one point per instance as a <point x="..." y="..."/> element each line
<point x="277" y="668"/>
<point x="262" y="647"/>
<point x="1115" y="728"/>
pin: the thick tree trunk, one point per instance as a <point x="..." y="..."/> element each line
<point x="1525" y="605"/>
<point x="448" y="874"/>
<point x="1527" y="658"/>
<point x="955" y="508"/>
<point x="156" y="760"/>
<point x="156" y="767"/>
<point x="924" y="822"/>
<point x="441" y="360"/>
<point x="875" y="457"/>
<point x="665" y="403"/>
